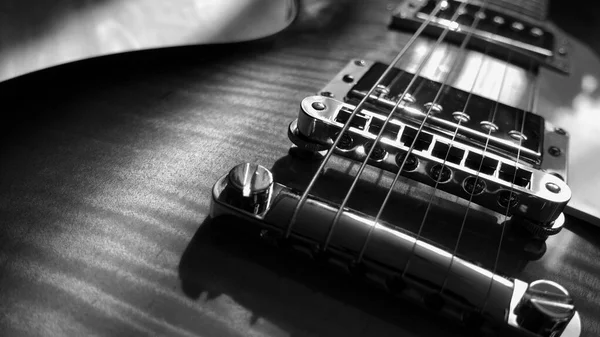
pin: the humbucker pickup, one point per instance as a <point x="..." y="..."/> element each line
<point x="498" y="32"/>
<point x="466" y="159"/>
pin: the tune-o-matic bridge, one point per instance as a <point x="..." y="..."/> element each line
<point x="504" y="169"/>
<point x="498" y="30"/>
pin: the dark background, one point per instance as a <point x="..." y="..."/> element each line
<point x="580" y="18"/>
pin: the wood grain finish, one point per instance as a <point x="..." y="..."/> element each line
<point x="106" y="168"/>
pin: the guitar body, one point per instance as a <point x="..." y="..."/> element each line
<point x="106" y="170"/>
<point x="49" y="33"/>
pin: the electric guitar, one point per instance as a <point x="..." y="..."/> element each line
<point x="409" y="169"/>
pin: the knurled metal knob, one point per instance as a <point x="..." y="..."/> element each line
<point x="250" y="187"/>
<point x="545" y="309"/>
<point x="544" y="231"/>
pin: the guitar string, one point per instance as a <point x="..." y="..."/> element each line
<point x="468" y="207"/>
<point x="432" y="195"/>
<point x="512" y="185"/>
<point x="391" y="113"/>
<point x="357" y="109"/>
<point x="368" y="237"/>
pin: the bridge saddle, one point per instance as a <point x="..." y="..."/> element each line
<point x="457" y="156"/>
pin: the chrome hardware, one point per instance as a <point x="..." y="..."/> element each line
<point x="525" y="37"/>
<point x="467" y="288"/>
<point x="545" y="309"/>
<point x="552" y="187"/>
<point x="460" y="116"/>
<point x="476" y="127"/>
<point x="498" y="20"/>
<point x="250" y="187"/>
<point x="409" y="98"/>
<point x="488" y="126"/>
<point x="517" y="135"/>
<point x="382" y="90"/>
<point x="517" y="26"/>
<point x="537" y="32"/>
<point x="434" y="107"/>
<point x="525" y="195"/>
<point x="306" y="144"/>
<point x="542" y="232"/>
<point x="535" y="152"/>
<point x="530" y="197"/>
<point x="318" y="106"/>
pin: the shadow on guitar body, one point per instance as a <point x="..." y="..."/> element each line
<point x="227" y="258"/>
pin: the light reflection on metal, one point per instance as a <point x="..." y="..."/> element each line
<point x="468" y="288"/>
<point x="452" y="25"/>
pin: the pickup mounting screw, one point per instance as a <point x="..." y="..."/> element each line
<point x="348" y="78"/>
<point x="327" y="94"/>
<point x="554" y="151"/>
<point x="562" y="51"/>
<point x="560" y="131"/>
<point x="360" y="63"/>
<point x="318" y="106"/>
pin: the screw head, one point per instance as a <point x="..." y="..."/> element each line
<point x="249" y="187"/>
<point x="562" y="51"/>
<point x="378" y="152"/>
<point x="474" y="185"/>
<point x="360" y="63"/>
<point x="554" y="151"/>
<point x="507" y="199"/>
<point x="545" y="306"/>
<point x="552" y="187"/>
<point x="318" y="106"/>
<point x="560" y="131"/>
<point x="348" y="78"/>
<point x="441" y="174"/>
<point x="411" y="162"/>
<point x="250" y="179"/>
<point x="346" y="142"/>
